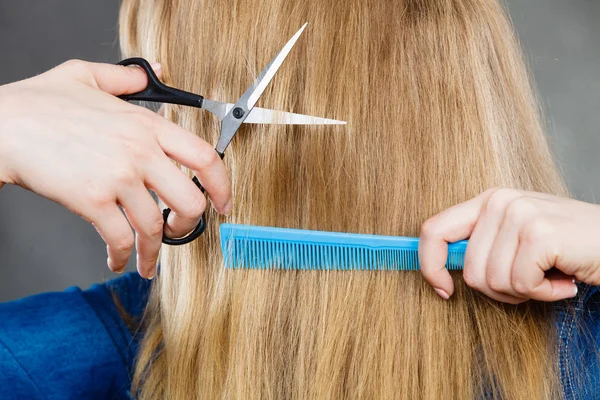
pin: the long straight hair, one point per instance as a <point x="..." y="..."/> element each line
<point x="439" y="108"/>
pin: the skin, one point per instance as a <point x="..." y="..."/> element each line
<point x="65" y="136"/>
<point x="515" y="239"/>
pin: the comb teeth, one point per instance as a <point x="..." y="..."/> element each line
<point x="256" y="247"/>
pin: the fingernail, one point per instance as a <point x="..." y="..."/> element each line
<point x="111" y="266"/>
<point x="575" y="291"/>
<point x="228" y="207"/>
<point x="442" y="293"/>
<point x="156" y="66"/>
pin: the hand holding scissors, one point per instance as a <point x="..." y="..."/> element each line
<point x="65" y="136"/>
<point x="231" y="115"/>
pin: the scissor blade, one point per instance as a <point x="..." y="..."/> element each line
<point x="256" y="90"/>
<point x="266" y="116"/>
<point x="244" y="105"/>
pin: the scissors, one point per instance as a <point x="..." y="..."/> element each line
<point x="231" y="115"/>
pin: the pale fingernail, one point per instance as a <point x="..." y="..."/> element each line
<point x="155" y="66"/>
<point x="442" y="293"/>
<point x="152" y="274"/>
<point x="112" y="267"/>
<point x="228" y="207"/>
<point x="575" y="291"/>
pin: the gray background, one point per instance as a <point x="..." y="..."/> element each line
<point x="44" y="247"/>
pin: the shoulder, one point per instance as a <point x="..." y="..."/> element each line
<point x="71" y="344"/>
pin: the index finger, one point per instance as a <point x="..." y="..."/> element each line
<point x="454" y="224"/>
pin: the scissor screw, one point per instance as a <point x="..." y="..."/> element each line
<point x="238" y="112"/>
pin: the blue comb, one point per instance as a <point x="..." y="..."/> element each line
<point x="259" y="247"/>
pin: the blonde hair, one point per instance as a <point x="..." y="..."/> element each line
<point x="439" y="108"/>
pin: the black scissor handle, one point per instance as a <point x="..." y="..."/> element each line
<point x="158" y="92"/>
<point x="199" y="230"/>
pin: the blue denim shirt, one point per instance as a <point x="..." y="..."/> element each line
<point x="579" y="344"/>
<point x="74" y="344"/>
<point x="70" y="345"/>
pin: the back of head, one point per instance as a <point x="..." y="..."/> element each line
<point x="439" y="108"/>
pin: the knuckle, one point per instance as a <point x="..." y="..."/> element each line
<point x="430" y="229"/>
<point x="74" y="64"/>
<point x="537" y="231"/>
<point x="194" y="208"/>
<point x="472" y="280"/>
<point x="491" y="190"/>
<point x="156" y="227"/>
<point x="144" y="121"/>
<point x="138" y="137"/>
<point x="124" y="174"/>
<point x="520" y="209"/>
<point x="138" y="150"/>
<point x="499" y="199"/>
<point x="78" y="68"/>
<point x="206" y="157"/>
<point x="98" y="195"/>
<point x="496" y="284"/>
<point x="139" y="122"/>
<point x="592" y="277"/>
<point x="123" y="244"/>
<point x="520" y="287"/>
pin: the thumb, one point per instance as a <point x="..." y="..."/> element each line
<point x="118" y="80"/>
<point x="555" y="289"/>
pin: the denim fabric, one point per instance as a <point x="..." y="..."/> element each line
<point x="74" y="344"/>
<point x="69" y="345"/>
<point x="579" y="345"/>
